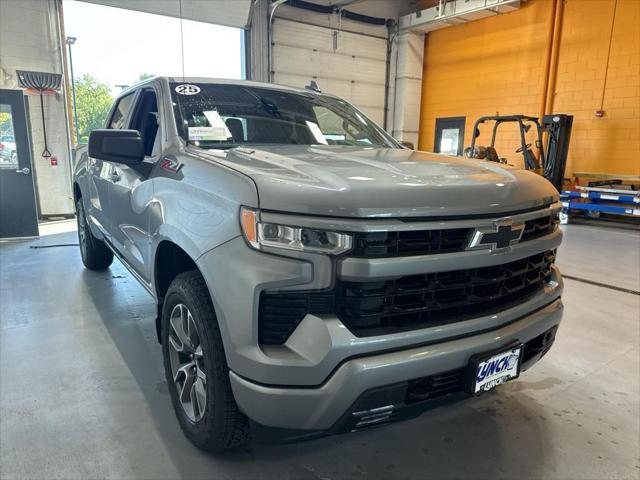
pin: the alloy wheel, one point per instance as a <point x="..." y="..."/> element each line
<point x="82" y="232"/>
<point x="187" y="361"/>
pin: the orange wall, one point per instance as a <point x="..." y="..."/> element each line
<point x="612" y="143"/>
<point x="497" y="66"/>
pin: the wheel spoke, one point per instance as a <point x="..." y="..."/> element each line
<point x="192" y="331"/>
<point x="186" y="357"/>
<point x="177" y="322"/>
<point x="199" y="398"/>
<point x="198" y="357"/>
<point x="175" y="344"/>
<point x="184" y="379"/>
<point x="183" y="372"/>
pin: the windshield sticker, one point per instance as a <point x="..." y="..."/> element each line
<point x="207" y="133"/>
<point x="186" y="89"/>
<point x="216" y="121"/>
<point x="317" y="133"/>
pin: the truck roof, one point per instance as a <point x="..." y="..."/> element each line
<point x="219" y="81"/>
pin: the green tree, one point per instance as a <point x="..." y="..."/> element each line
<point x="6" y="126"/>
<point x="93" y="99"/>
<point x="144" y="76"/>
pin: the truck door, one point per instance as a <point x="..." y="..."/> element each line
<point x="130" y="189"/>
<point x="101" y="172"/>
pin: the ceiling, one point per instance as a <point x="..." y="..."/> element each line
<point x="235" y="13"/>
<point x="231" y="13"/>
<point x="379" y="8"/>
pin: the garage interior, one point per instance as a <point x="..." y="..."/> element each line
<point x="82" y="388"/>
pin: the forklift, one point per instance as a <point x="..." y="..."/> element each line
<point x="550" y="161"/>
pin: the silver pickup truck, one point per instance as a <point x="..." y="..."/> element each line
<point x="310" y="273"/>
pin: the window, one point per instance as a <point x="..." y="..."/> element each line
<point x="449" y="141"/>
<point x="449" y="136"/>
<point x="145" y="119"/>
<point x="8" y="150"/>
<point x="120" y="113"/>
<point x="223" y="116"/>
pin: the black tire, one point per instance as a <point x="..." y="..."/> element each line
<point x="222" y="426"/>
<point x="95" y="254"/>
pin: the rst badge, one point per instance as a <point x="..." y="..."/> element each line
<point x="497" y="237"/>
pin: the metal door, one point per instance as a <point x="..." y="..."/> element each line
<point x="18" y="212"/>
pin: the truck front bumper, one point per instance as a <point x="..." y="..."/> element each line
<point x="374" y="389"/>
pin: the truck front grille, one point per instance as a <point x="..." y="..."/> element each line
<point x="427" y="242"/>
<point x="539" y="227"/>
<point x="410" y="302"/>
<point x="418" y="301"/>
<point x="410" y="242"/>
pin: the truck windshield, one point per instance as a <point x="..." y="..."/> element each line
<point x="225" y="116"/>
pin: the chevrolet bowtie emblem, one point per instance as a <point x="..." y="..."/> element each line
<point x="500" y="236"/>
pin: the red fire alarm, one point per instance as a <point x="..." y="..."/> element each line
<point x="54" y="161"/>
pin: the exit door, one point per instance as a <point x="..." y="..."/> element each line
<point x="449" y="138"/>
<point x="18" y="214"/>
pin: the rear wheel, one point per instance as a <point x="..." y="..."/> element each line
<point x="95" y="254"/>
<point x="196" y="368"/>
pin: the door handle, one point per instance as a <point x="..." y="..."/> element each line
<point x="24" y="171"/>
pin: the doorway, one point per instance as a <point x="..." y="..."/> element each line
<point x="449" y="138"/>
<point x="18" y="213"/>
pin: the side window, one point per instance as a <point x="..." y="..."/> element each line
<point x="146" y="120"/>
<point x="120" y="113"/>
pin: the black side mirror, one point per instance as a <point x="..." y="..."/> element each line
<point x="120" y="146"/>
<point x="476" y="132"/>
<point x="408" y="145"/>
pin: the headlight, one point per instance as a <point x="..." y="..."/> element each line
<point x="302" y="239"/>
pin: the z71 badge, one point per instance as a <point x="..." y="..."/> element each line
<point x="170" y="164"/>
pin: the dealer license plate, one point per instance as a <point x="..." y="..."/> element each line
<point x="497" y="369"/>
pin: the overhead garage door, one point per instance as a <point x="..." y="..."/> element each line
<point x="346" y="64"/>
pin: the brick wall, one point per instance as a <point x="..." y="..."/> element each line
<point x="486" y="67"/>
<point x="29" y="40"/>
<point x="611" y="143"/>
<point x="496" y="66"/>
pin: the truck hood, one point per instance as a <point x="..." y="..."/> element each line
<point x="373" y="182"/>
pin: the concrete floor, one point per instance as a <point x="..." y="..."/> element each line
<point x="82" y="393"/>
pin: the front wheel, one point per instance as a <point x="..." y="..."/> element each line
<point x="95" y="253"/>
<point x="196" y="368"/>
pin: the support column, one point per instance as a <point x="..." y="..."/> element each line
<point x="257" y="41"/>
<point x="406" y="92"/>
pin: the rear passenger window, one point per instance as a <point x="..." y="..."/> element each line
<point x="120" y="113"/>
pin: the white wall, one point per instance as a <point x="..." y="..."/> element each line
<point x="30" y="40"/>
